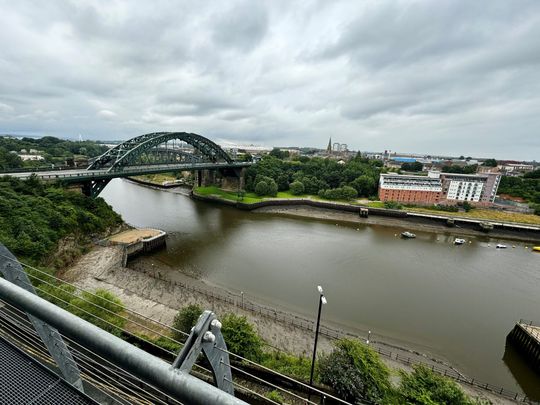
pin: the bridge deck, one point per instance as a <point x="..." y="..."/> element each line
<point x="74" y="176"/>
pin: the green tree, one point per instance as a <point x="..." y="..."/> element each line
<point x="185" y="319"/>
<point x="241" y="337"/>
<point x="424" y="387"/>
<point x="261" y="188"/>
<point x="365" y="185"/>
<point x="412" y="166"/>
<point x="296" y="187"/>
<point x="355" y="372"/>
<point x="490" y="163"/>
<point x="348" y="193"/>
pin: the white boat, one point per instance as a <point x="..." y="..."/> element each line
<point x="408" y="235"/>
<point x="501" y="246"/>
<point x="459" y="241"/>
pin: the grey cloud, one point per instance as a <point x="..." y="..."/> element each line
<point x="400" y="75"/>
<point x="242" y="26"/>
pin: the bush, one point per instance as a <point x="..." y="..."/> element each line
<point x="275" y="396"/>
<point x="424" y="387"/>
<point x="185" y="319"/>
<point x="348" y="193"/>
<point x="101" y="309"/>
<point x="296" y="187"/>
<point x="355" y="372"/>
<point x="265" y="186"/>
<point x="298" y="367"/>
<point x="241" y="337"/>
<point x="261" y="188"/>
<point x="393" y="205"/>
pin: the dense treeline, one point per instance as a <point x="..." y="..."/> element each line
<point x="34" y="216"/>
<point x="526" y="187"/>
<point x="316" y="176"/>
<point x="53" y="150"/>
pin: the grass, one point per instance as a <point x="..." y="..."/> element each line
<point x="484" y="214"/>
<point x="249" y="198"/>
<point x="376" y="204"/>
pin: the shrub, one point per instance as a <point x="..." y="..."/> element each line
<point x="185" y="319"/>
<point x="296" y="187"/>
<point x="424" y="387"/>
<point x="261" y="188"/>
<point x="275" y="396"/>
<point x="241" y="337"/>
<point x="101" y="309"/>
<point x="355" y="372"/>
<point x="348" y="193"/>
<point x="393" y="205"/>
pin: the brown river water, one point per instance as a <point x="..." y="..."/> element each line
<point x="456" y="302"/>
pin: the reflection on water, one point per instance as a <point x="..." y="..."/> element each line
<point x="459" y="302"/>
<point x="522" y="373"/>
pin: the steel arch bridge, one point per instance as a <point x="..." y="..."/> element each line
<point x="129" y="153"/>
<point x="159" y="152"/>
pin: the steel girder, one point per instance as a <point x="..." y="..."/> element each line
<point x="127" y="152"/>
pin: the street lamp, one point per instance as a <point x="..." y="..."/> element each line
<point x="322" y="301"/>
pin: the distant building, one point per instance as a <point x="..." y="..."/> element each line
<point x="344" y="147"/>
<point x="511" y="168"/>
<point x="31" y="157"/>
<point x="329" y="147"/>
<point x="436" y="188"/>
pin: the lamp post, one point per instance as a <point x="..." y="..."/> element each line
<point x="322" y="301"/>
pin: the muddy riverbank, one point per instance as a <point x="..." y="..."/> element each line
<point x="158" y="291"/>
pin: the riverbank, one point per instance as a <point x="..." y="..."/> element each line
<point x="156" y="290"/>
<point x="325" y="210"/>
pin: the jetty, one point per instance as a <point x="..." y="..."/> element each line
<point x="136" y="241"/>
<point x="525" y="337"/>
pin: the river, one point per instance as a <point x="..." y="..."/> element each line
<point x="457" y="302"/>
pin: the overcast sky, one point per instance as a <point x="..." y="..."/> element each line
<point x="441" y="77"/>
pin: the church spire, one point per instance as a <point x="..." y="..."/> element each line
<point x="329" y="147"/>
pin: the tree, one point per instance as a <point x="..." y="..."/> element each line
<point x="261" y="188"/>
<point x="348" y="193"/>
<point x="412" y="166"/>
<point x="355" y="372"/>
<point x="268" y="186"/>
<point x="424" y="387"/>
<point x="490" y="163"/>
<point x="241" y="337"/>
<point x="296" y="188"/>
<point x="364" y="185"/>
<point x="185" y="319"/>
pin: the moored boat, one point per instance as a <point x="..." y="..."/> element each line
<point x="459" y="241"/>
<point x="536" y="248"/>
<point x="408" y="235"/>
<point x="501" y="246"/>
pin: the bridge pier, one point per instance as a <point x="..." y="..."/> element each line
<point x="233" y="180"/>
<point x="205" y="178"/>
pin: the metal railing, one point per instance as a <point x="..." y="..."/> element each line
<point x="308" y="324"/>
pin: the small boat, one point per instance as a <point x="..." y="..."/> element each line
<point x="501" y="246"/>
<point x="408" y="235"/>
<point x="536" y="248"/>
<point x="459" y="241"/>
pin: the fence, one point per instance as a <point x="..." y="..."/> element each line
<point x="304" y="323"/>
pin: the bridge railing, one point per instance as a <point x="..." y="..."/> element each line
<point x="133" y="170"/>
